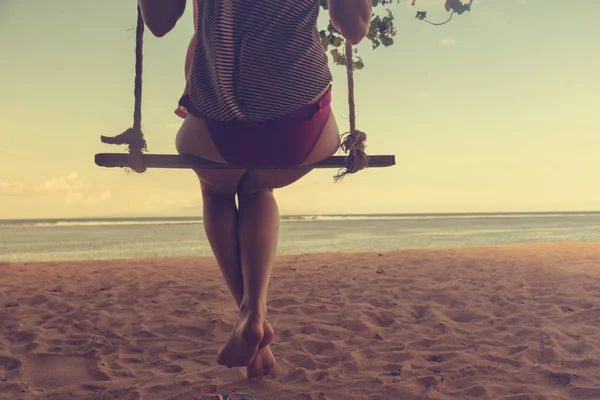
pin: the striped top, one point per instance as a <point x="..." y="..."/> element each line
<point x="256" y="60"/>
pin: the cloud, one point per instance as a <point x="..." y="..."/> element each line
<point x="448" y="42"/>
<point x="69" y="182"/>
<point x="173" y="200"/>
<point x="75" y="190"/>
<point x="104" y="196"/>
<point x="11" y="188"/>
<point x="72" y="198"/>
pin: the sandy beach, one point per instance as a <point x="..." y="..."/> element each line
<point x="513" y="323"/>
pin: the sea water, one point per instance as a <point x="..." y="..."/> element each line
<point x="87" y="239"/>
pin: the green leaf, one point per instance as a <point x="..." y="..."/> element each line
<point x="381" y="31"/>
<point x="387" y="41"/>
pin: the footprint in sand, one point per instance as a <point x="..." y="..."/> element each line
<point x="465" y="317"/>
<point x="303" y="360"/>
<point x="10" y="368"/>
<point x="51" y="371"/>
<point x="318" y="347"/>
<point x="420" y="312"/>
<point x="441" y="358"/>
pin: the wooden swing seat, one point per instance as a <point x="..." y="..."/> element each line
<point x="353" y="142"/>
<point x="173" y="161"/>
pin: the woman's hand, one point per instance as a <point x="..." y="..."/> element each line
<point x="161" y="16"/>
<point x="352" y="18"/>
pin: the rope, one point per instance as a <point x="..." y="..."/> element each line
<point x="134" y="136"/>
<point x="353" y="142"/>
<point x="350" y="74"/>
<point x="139" y="57"/>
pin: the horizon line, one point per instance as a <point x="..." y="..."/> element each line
<point x="317" y="214"/>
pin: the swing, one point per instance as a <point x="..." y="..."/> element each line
<point x="353" y="142"/>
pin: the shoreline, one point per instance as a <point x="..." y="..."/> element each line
<point x="205" y="258"/>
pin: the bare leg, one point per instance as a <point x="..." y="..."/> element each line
<point x="220" y="224"/>
<point x="194" y="138"/>
<point x="258" y="236"/>
<point x="258" y="233"/>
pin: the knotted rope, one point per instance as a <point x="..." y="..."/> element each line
<point x="353" y="142"/>
<point x="134" y="136"/>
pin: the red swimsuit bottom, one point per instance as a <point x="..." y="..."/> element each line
<point x="286" y="141"/>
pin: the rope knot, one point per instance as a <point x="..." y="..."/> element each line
<point x="137" y="145"/>
<point x="353" y="143"/>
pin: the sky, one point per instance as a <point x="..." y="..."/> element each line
<point x="496" y="111"/>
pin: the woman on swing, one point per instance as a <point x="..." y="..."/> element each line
<point x="258" y="92"/>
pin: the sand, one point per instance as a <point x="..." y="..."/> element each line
<point x="516" y="322"/>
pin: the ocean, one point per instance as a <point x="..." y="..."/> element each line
<point x="126" y="238"/>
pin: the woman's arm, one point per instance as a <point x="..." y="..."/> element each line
<point x="352" y="18"/>
<point x="160" y="16"/>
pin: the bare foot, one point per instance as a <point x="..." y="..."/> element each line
<point x="242" y="346"/>
<point x="264" y="362"/>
